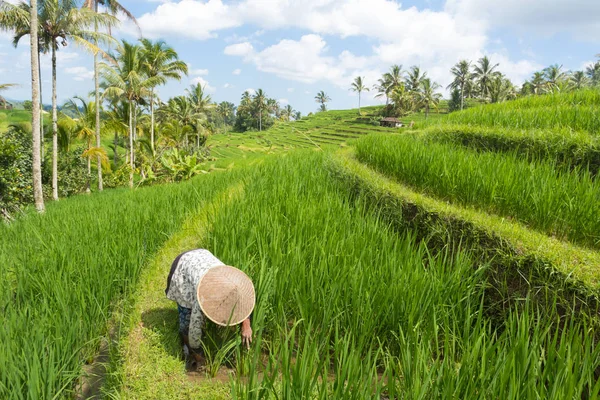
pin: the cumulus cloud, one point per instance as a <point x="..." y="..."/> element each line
<point x="80" y="73"/>
<point x="239" y="49"/>
<point x="198" y="72"/>
<point x="187" y="18"/>
<point x="283" y="102"/>
<point x="251" y="91"/>
<point x="545" y="17"/>
<point x="227" y="86"/>
<point x="237" y="71"/>
<point x="204" y="83"/>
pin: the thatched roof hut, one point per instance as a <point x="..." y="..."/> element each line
<point x="391" y="122"/>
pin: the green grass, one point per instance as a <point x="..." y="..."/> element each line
<point x="9" y="117"/>
<point x="65" y="269"/>
<point x="567" y="148"/>
<point x="576" y="110"/>
<point x="558" y="203"/>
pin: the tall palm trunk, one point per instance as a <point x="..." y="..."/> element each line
<point x="359" y="102"/>
<point x="130" y="144"/>
<point x="89" y="169"/>
<point x="97" y="89"/>
<point x="41" y="105"/>
<point x="152" y="120"/>
<point x="54" y="129"/>
<point x="35" y="100"/>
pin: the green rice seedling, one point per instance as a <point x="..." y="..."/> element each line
<point x="558" y="203"/>
<point x="65" y="269"/>
<point x="356" y="310"/>
<point x="576" y="110"/>
<point x="567" y="148"/>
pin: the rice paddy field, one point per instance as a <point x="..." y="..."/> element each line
<point x="459" y="259"/>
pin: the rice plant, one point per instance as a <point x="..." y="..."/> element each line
<point x="348" y="308"/>
<point x="64" y="270"/>
<point x="556" y="202"/>
<point x="576" y="110"/>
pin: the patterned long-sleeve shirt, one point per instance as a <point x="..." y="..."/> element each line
<point x="186" y="272"/>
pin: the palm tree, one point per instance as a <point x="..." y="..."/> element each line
<point x="288" y="111"/>
<point x="359" y="87"/>
<point x="414" y="79"/>
<point x="322" y="99"/>
<point x="182" y="115"/>
<point x="226" y="110"/>
<point x="538" y="83"/>
<point x="554" y="75"/>
<point x="297" y="115"/>
<point x="462" y="78"/>
<point x="501" y="89"/>
<point x="427" y="96"/>
<point x="201" y="105"/>
<point x="35" y="99"/>
<point x="484" y="73"/>
<point x="259" y="102"/>
<point x="578" y="80"/>
<point x="162" y="62"/>
<point x="128" y="81"/>
<point x="393" y="78"/>
<point x="593" y="73"/>
<point x="112" y="7"/>
<point x="59" y="21"/>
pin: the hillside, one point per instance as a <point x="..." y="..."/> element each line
<point x="457" y="259"/>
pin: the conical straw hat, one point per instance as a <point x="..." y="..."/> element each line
<point x="226" y="295"/>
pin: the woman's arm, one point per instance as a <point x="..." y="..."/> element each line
<point x="246" y="333"/>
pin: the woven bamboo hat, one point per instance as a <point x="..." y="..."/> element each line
<point x="226" y="295"/>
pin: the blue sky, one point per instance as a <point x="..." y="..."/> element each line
<point x="292" y="49"/>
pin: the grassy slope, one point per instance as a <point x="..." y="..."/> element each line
<point x="331" y="129"/>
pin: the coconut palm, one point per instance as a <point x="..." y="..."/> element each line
<point x="414" y="79"/>
<point x="259" y="103"/>
<point x="288" y="111"/>
<point x="578" y="80"/>
<point x="538" y="83"/>
<point x="322" y="99"/>
<point x="427" y="96"/>
<point x="382" y="89"/>
<point x="483" y="74"/>
<point x="501" y="89"/>
<point x="402" y="100"/>
<point x="162" y="62"/>
<point x="394" y="78"/>
<point x="226" y="110"/>
<point x="59" y="21"/>
<point x="593" y="73"/>
<point x="554" y="75"/>
<point x="112" y="7"/>
<point x="462" y="78"/>
<point x="358" y="86"/>
<point x="127" y="81"/>
<point x="35" y="99"/>
<point x="201" y="104"/>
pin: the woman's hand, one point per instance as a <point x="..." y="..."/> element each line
<point x="246" y="333"/>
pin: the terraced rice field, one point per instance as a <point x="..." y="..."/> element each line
<point x="332" y="129"/>
<point x="457" y="260"/>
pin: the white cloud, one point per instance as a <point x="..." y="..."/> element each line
<point x="187" y="18"/>
<point x="237" y="71"/>
<point x="283" y="102"/>
<point x="239" y="49"/>
<point x="251" y="91"/>
<point x="290" y="90"/>
<point x="80" y="73"/>
<point x="546" y="17"/>
<point x="228" y="86"/>
<point x="204" y="83"/>
<point x="198" y="72"/>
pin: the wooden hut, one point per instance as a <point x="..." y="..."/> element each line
<point x="391" y="122"/>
